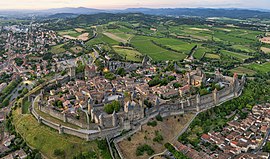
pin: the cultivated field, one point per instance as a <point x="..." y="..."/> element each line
<point x="263" y="68"/>
<point x="265" y="50"/>
<point x="128" y="53"/>
<point x="243" y="70"/>
<point x="238" y="56"/>
<point x="145" y="46"/>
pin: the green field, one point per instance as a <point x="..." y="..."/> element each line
<point x="212" y="56"/>
<point x="263" y="68"/>
<point x="121" y="34"/>
<point x="128" y="53"/>
<point x="58" y="49"/>
<point x="243" y="48"/>
<point x="243" y="70"/>
<point x="198" y="54"/>
<point x="175" y="44"/>
<point x="238" y="56"/>
<point x="144" y="45"/>
<point x="101" y="38"/>
<point x="47" y="140"/>
<point x="71" y="32"/>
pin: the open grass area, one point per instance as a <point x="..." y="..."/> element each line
<point x="168" y="129"/>
<point x="263" y="68"/>
<point x="46" y="140"/>
<point x="25" y="106"/>
<point x="101" y="39"/>
<point x="71" y="32"/>
<point x="58" y="49"/>
<point x="76" y="49"/>
<point x="243" y="70"/>
<point x="116" y="37"/>
<point x="212" y="56"/>
<point x="243" y="48"/>
<point x="238" y="56"/>
<point x="198" y="54"/>
<point x="128" y="53"/>
<point x="145" y="46"/>
<point x="176" y="44"/>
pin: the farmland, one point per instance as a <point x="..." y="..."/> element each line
<point x="263" y="68"/>
<point x="243" y="70"/>
<point x="146" y="46"/>
<point x="238" y="56"/>
<point x="228" y="46"/>
<point x="128" y="53"/>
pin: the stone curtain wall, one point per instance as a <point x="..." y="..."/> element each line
<point x="193" y="103"/>
<point x="61" y="116"/>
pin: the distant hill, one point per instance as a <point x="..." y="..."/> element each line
<point x="80" y="10"/>
<point x="63" y="16"/>
<point x="198" y="12"/>
<point x="203" y="12"/>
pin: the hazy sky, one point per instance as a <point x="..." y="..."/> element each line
<point x="117" y="4"/>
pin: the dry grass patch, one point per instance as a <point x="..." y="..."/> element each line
<point x="168" y="128"/>
<point x="265" y="40"/>
<point x="79" y="30"/>
<point x="265" y="50"/>
<point x="76" y="49"/>
<point x="115" y="37"/>
<point x="83" y="37"/>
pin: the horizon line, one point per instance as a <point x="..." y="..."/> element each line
<point x="124" y="8"/>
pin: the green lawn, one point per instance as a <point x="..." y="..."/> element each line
<point x="129" y="54"/>
<point x="25" y="106"/>
<point x="46" y="140"/>
<point x="144" y="45"/>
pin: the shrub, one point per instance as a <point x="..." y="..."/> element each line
<point x="58" y="152"/>
<point x="114" y="106"/>
<point x="159" y="118"/>
<point x="152" y="123"/>
<point x="158" y="138"/>
<point x="144" y="148"/>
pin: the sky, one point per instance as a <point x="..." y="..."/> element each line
<point x="122" y="4"/>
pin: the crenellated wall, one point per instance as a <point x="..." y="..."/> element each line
<point x="114" y="124"/>
<point x="62" y="116"/>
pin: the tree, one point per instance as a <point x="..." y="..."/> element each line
<point x="110" y="76"/>
<point x="144" y="148"/>
<point x="121" y="72"/>
<point x="176" y="85"/>
<point x="111" y="107"/>
<point x="18" y="61"/>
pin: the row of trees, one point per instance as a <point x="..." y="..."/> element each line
<point x="4" y="95"/>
